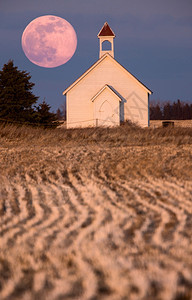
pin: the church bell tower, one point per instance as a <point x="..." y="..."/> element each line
<point x="106" y="36"/>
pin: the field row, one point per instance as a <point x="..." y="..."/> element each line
<point x="72" y="233"/>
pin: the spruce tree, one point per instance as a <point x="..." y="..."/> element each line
<point x="16" y="97"/>
<point x="45" y="117"/>
<point x="155" y="112"/>
<point x="167" y="111"/>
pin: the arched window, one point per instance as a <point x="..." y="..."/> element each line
<point x="106" y="45"/>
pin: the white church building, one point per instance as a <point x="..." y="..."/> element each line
<point x="106" y="94"/>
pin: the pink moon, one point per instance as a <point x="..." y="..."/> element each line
<point x="49" y="41"/>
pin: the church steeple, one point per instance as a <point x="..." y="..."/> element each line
<point x="106" y="34"/>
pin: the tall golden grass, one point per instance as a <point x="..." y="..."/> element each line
<point x="127" y="134"/>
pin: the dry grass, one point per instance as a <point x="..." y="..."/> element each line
<point x="127" y="134"/>
<point x="96" y="213"/>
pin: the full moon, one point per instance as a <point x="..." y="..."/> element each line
<point x="49" y="41"/>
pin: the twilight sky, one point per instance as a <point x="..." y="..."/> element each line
<point x="153" y="42"/>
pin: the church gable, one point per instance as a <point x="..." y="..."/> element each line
<point x="112" y="64"/>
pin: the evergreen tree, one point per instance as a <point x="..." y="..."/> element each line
<point x="186" y="112"/>
<point x="45" y="117"/>
<point x="170" y="111"/>
<point x="16" y="97"/>
<point x="155" y="112"/>
<point x="167" y="112"/>
<point x="190" y="111"/>
<point x="177" y="110"/>
<point x="180" y="109"/>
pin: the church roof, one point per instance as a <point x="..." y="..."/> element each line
<point x="106" y="31"/>
<point x="98" y="62"/>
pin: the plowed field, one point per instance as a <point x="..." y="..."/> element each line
<point x="82" y="218"/>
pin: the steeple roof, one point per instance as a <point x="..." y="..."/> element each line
<point x="106" y="31"/>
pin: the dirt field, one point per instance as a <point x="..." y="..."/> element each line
<point x="96" y="214"/>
